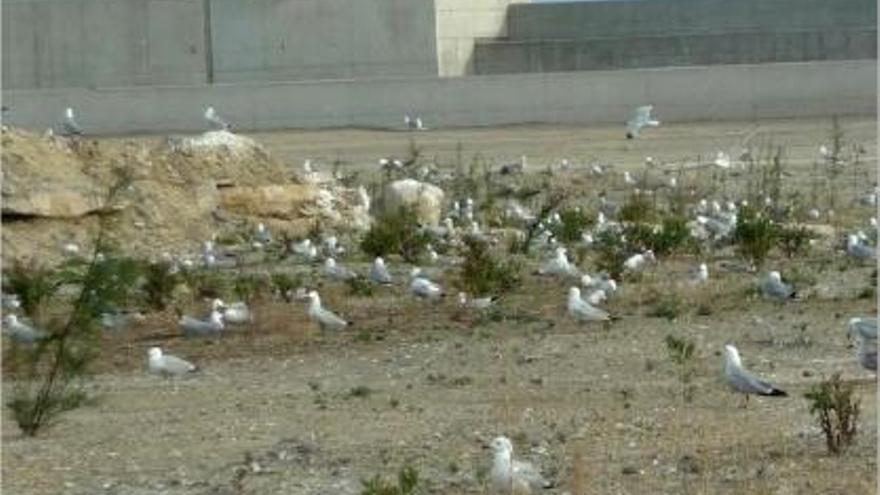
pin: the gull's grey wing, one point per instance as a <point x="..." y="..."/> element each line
<point x="380" y="275"/>
<point x="862" y="252"/>
<point x="174" y="365"/>
<point x="747" y="383"/>
<point x="330" y="319"/>
<point x="529" y="474"/>
<point x="586" y="311"/>
<point x="865" y="327"/>
<point x="193" y="327"/>
<point x="777" y="290"/>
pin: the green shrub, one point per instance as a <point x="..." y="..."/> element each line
<point x="755" y="236"/>
<point x="285" y="283"/>
<point x="794" y="241"/>
<point x="396" y="234"/>
<point x="248" y="287"/>
<point x="637" y="209"/>
<point x="407" y="482"/>
<point x="612" y="252"/>
<point x="360" y="286"/>
<point x="837" y="411"/>
<point x="572" y="225"/>
<point x="669" y="307"/>
<point x="32" y="284"/>
<point x="482" y="274"/>
<point x="681" y="353"/>
<point x="159" y="284"/>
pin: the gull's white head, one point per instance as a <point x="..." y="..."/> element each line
<point x="775" y="276"/>
<point x="502" y="446"/>
<point x="154" y="353"/>
<point x="11" y="320"/>
<point x="330" y="263"/>
<point x="314" y="298"/>
<point x="379" y="261"/>
<point x="68" y="112"/>
<point x="217" y="304"/>
<point x="210" y="113"/>
<point x="586" y="280"/>
<point x="415" y="272"/>
<point x="731" y="355"/>
<point x="462" y="298"/>
<point x="447" y="222"/>
<point x="217" y="317"/>
<point x="704" y="270"/>
<point x="574" y="293"/>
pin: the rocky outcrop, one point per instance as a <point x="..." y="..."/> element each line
<point x="423" y="198"/>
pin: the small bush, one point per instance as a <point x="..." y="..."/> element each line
<point x="359" y="286"/>
<point x="407" y="482"/>
<point x="285" y="283"/>
<point x="572" y="225"/>
<point x="794" y="241"/>
<point x="248" y="287"/>
<point x="32" y="284"/>
<point x="755" y="236"/>
<point x="159" y="284"/>
<point x="611" y="254"/>
<point x="681" y="353"/>
<point x="837" y="411"/>
<point x="669" y="307"/>
<point x="482" y="274"/>
<point x="637" y="209"/>
<point x="207" y="283"/>
<point x="396" y="234"/>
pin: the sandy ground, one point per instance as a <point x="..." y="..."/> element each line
<point x="281" y="408"/>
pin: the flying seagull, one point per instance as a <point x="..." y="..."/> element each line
<point x="641" y="119"/>
<point x="742" y="381"/>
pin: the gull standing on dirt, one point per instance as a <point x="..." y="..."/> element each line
<point x="864" y="326"/>
<point x="423" y="288"/>
<point x="865" y="329"/>
<point x="194" y="327"/>
<point x="772" y="287"/>
<point x="559" y="265"/>
<point x="582" y="310"/>
<point x="510" y="476"/>
<point x="236" y="313"/>
<point x="379" y="272"/>
<point x="859" y="251"/>
<point x="263" y="236"/>
<point x="306" y="249"/>
<point x="215" y="122"/>
<point x="701" y="275"/>
<point x="641" y="119"/>
<point x="69" y="126"/>
<point x="324" y="317"/>
<point x="337" y="272"/>
<point x="722" y="160"/>
<point x="22" y="332"/>
<point x="478" y="303"/>
<point x="742" y="381"/>
<point x="637" y="262"/>
<point x="168" y="365"/>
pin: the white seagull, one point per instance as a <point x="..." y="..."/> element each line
<point x="582" y="310"/>
<point x="423" y="288"/>
<point x="215" y="121"/>
<point x="478" y="303"/>
<point x="559" y="265"/>
<point x="379" y="272"/>
<point x="325" y="318"/>
<point x="194" y="327"/>
<point x="337" y="272"/>
<point x="772" y="287"/>
<point x="22" y="332"/>
<point x="510" y="476"/>
<point x="168" y="365"/>
<point x="741" y="380"/>
<point x="641" y="119"/>
<point x="69" y="126"/>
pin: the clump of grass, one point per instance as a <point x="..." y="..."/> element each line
<point x="396" y="234"/>
<point x="669" y="307"/>
<point x="612" y="252"/>
<point x="284" y="284"/>
<point x="159" y="284"/>
<point x="572" y="225"/>
<point x="407" y="482"/>
<point x="837" y="411"/>
<point x="755" y="236"/>
<point x="360" y="287"/>
<point x="637" y="209"/>
<point x="207" y="283"/>
<point x="361" y="392"/>
<point x="672" y="235"/>
<point x="481" y="273"/>
<point x="248" y="287"/>
<point x="681" y="353"/>
<point x="794" y="241"/>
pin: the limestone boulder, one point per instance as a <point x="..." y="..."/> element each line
<point x="426" y="200"/>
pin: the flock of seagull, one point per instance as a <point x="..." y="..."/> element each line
<point x="711" y="221"/>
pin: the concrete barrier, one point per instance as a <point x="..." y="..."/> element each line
<point x="730" y="92"/>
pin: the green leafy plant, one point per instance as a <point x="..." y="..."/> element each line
<point x="481" y="273"/>
<point x="248" y="287"/>
<point x="637" y="209"/>
<point x="159" y="284"/>
<point x="407" y="483"/>
<point x="360" y="286"/>
<point x="837" y="410"/>
<point x="669" y="307"/>
<point x="755" y="236"/>
<point x="794" y="241"/>
<point x="572" y="225"/>
<point x="681" y="353"/>
<point x="284" y="284"/>
<point x="612" y="252"/>
<point x="396" y="234"/>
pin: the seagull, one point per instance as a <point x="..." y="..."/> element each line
<point x="168" y="365"/>
<point x="864" y="326"/>
<point x="22" y="332"/>
<point x="596" y="297"/>
<point x="772" y="287"/>
<point x="194" y="327"/>
<point x="741" y="380"/>
<point x="215" y="122"/>
<point x="422" y="287"/>
<point x="379" y="272"/>
<point x="559" y="265"/>
<point x="641" y="119"/>
<point x="306" y="249"/>
<point x="628" y="179"/>
<point x="324" y="317"/>
<point x="70" y="249"/>
<point x="336" y="272"/>
<point x="582" y="310"/>
<point x="722" y="160"/>
<point x="637" y="262"/>
<point x="11" y="302"/>
<point x="236" y="313"/>
<point x="69" y="127"/>
<point x="856" y="249"/>
<point x="118" y="320"/>
<point x="263" y="236"/>
<point x="867" y="352"/>
<point x="510" y="476"/>
<point x="479" y="303"/>
<point x="701" y="275"/>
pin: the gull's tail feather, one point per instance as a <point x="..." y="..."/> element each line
<point x="775" y="392"/>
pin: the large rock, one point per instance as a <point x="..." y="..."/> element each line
<point x="423" y="198"/>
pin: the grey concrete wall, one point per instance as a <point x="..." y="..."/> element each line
<point x="288" y="40"/>
<point x="667" y="17"/>
<point x="460" y="23"/>
<point x="502" y="57"/>
<point x="730" y="92"/>
<point x="93" y="43"/>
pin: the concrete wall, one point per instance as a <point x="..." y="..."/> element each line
<point x="93" y="43"/>
<point x="667" y="17"/>
<point x="503" y="57"/>
<point x="732" y="92"/>
<point x="460" y="23"/>
<point x="289" y="40"/>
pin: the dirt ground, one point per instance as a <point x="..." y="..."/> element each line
<point x="281" y="408"/>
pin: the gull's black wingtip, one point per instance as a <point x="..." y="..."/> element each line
<point x="775" y="392"/>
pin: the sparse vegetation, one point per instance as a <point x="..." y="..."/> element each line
<point x="407" y="484"/>
<point x="669" y="306"/>
<point x="396" y="234"/>
<point x="572" y="225"/>
<point x="159" y="283"/>
<point x="755" y="236"/>
<point x="837" y="410"/>
<point x="681" y="353"/>
<point x="481" y="273"/>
